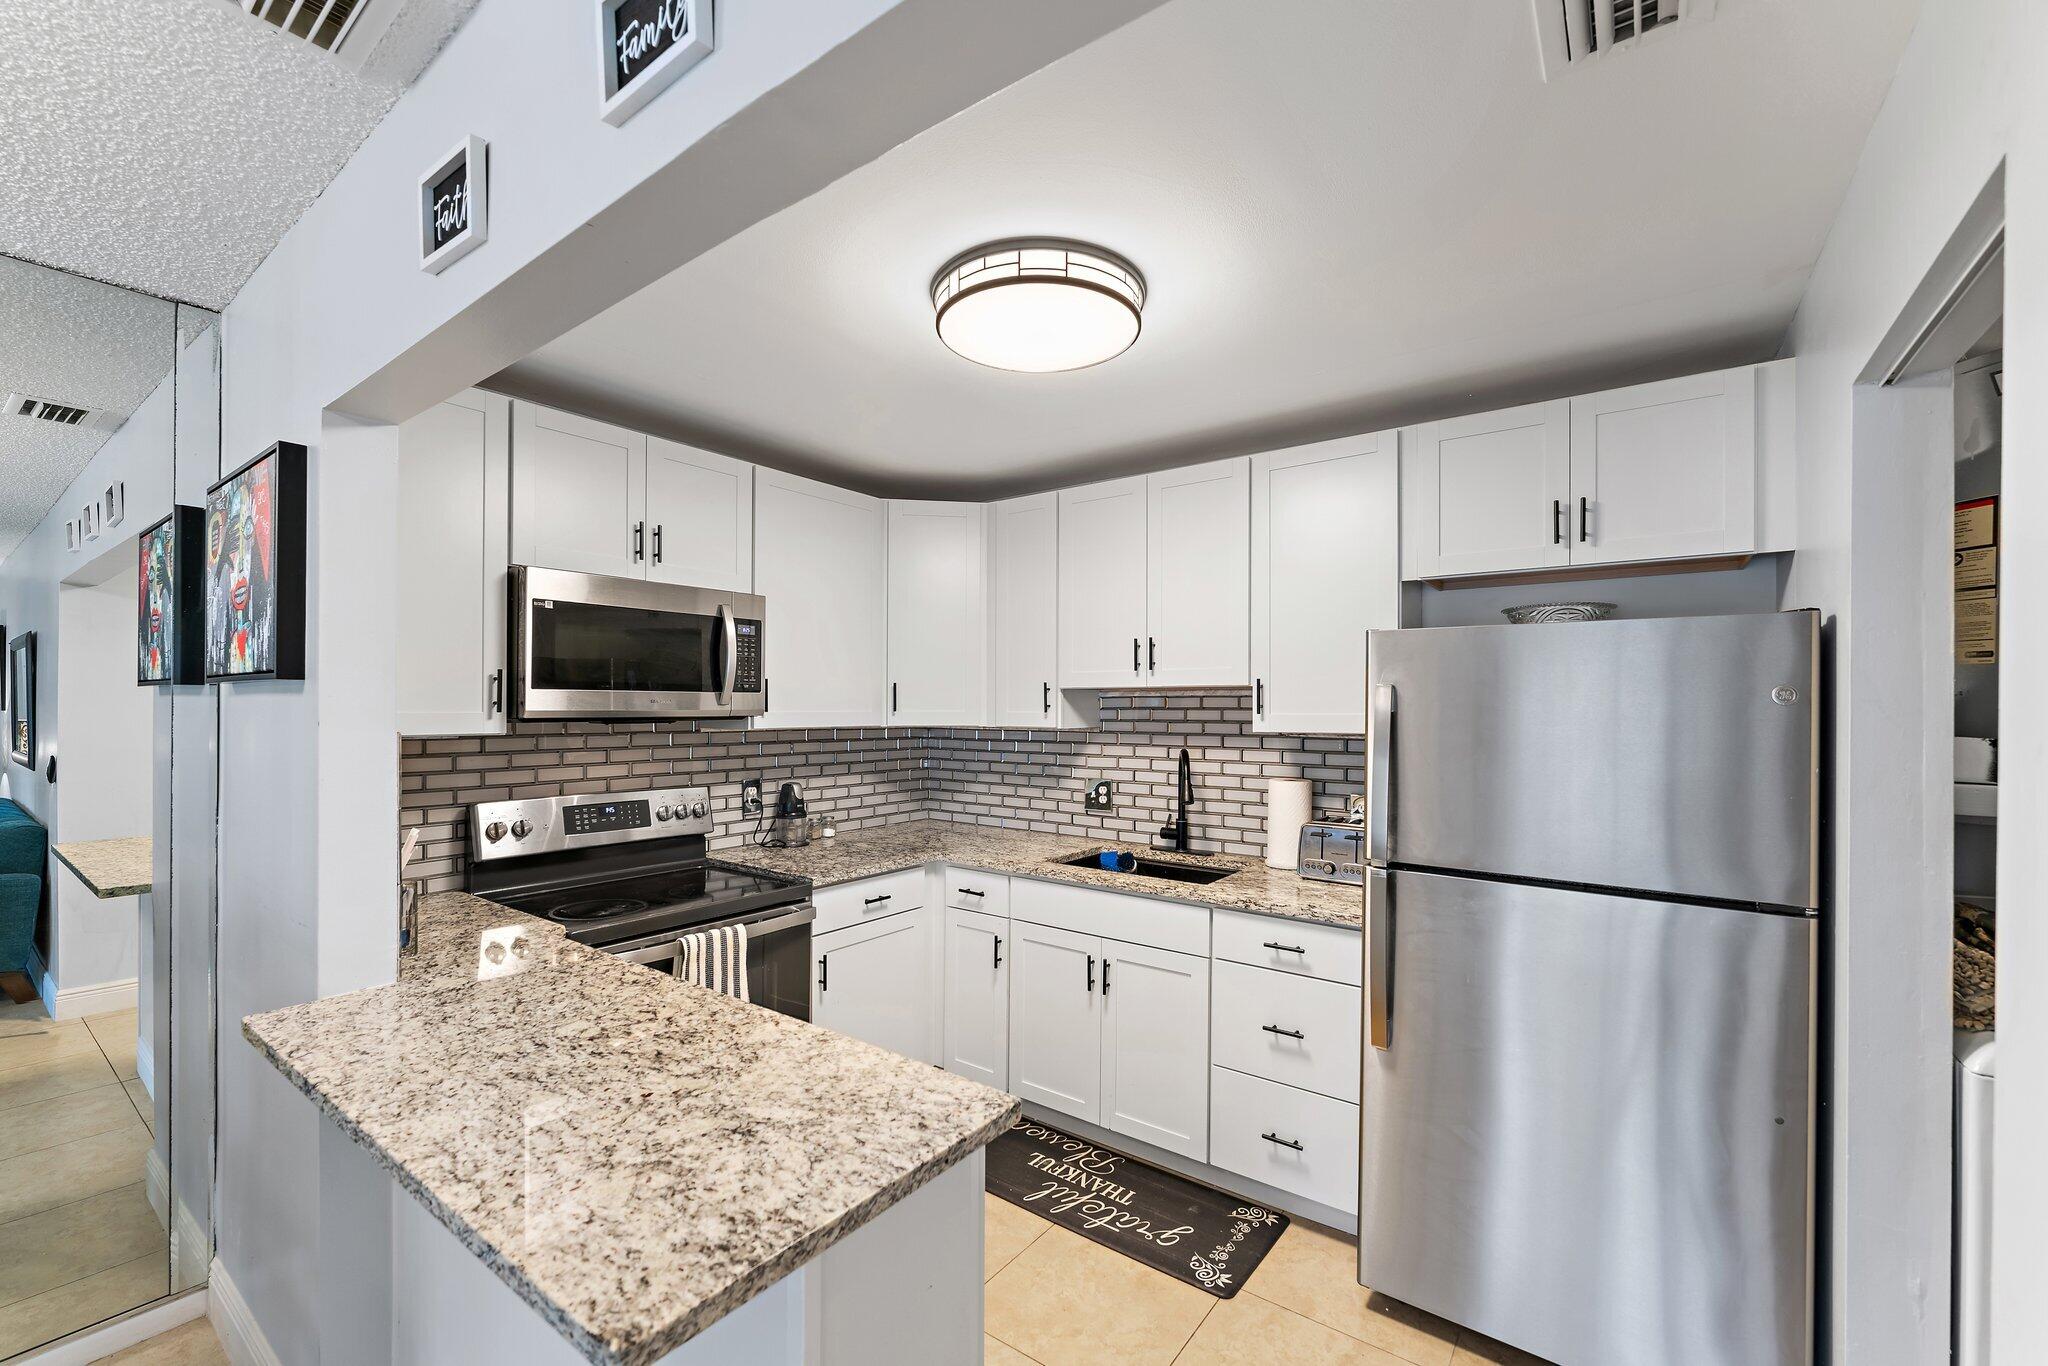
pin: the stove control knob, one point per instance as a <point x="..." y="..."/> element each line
<point x="662" y="813"/>
<point x="495" y="831"/>
<point x="520" y="830"/>
<point x="700" y="809"/>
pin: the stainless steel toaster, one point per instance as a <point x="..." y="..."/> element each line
<point x="1332" y="851"/>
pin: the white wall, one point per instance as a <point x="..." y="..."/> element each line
<point x="799" y="92"/>
<point x="1966" y="96"/>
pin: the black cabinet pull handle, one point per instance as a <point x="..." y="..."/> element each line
<point x="1288" y="1033"/>
<point x="1259" y="695"/>
<point x="1048" y="699"/>
<point x="639" y="541"/>
<point x="657" y="543"/>
<point x="1151" y="655"/>
<point x="875" y="900"/>
<point x="1091" y="972"/>
<point x="1134" y="655"/>
<point x="823" y="959"/>
<point x="999" y="950"/>
<point x="1285" y="948"/>
<point x="1283" y="1142"/>
<point x="969" y="891"/>
<point x="892" y="698"/>
<point x="1585" y="516"/>
<point x="1556" y="522"/>
<point x="1105" y="977"/>
<point x="496" y="704"/>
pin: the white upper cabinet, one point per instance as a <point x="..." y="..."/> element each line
<point x="700" y="517"/>
<point x="1326" y="569"/>
<point x="579" y="493"/>
<point x="1198" y="595"/>
<point x="1025" y="620"/>
<point x="819" y="559"/>
<point x="938" y="614"/>
<point x="454" y="516"/>
<point x="1486" y="494"/>
<point x="1102" y="585"/>
<point x="1665" y="471"/>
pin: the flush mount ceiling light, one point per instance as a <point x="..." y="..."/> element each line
<point x="1038" y="304"/>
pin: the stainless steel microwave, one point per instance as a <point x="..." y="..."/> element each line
<point x="589" y="647"/>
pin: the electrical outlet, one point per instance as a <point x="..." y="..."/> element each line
<point x="1101" y="797"/>
<point x="750" y="797"/>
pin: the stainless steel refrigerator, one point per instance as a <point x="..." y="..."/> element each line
<point x="1588" y="1098"/>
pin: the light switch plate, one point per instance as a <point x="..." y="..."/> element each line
<point x="1101" y="796"/>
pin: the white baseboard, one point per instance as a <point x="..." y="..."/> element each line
<point x="75" y="1003"/>
<point x="97" y="1344"/>
<point x="145" y="1066"/>
<point x="191" y="1246"/>
<point x="234" y="1324"/>
<point x="156" y="1184"/>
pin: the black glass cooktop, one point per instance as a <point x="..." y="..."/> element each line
<point x="622" y="907"/>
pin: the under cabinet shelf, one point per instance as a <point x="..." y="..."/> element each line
<point x="1977" y="802"/>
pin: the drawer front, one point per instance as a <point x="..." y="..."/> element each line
<point x="857" y="903"/>
<point x="1330" y="952"/>
<point x="1112" y="915"/>
<point x="968" y="890"/>
<point x="1244" y="1110"/>
<point x="1286" y="1028"/>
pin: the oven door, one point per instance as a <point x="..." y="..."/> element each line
<point x="778" y="957"/>
<point x="587" y="646"/>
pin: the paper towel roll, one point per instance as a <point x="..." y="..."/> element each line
<point x="1287" y="809"/>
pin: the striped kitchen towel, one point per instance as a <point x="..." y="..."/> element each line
<point x="716" y="959"/>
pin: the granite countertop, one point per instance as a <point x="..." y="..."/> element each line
<point x="1252" y="886"/>
<point x="110" y="868"/>
<point x="634" y="1156"/>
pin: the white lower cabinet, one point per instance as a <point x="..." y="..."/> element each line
<point x="1287" y="1028"/>
<point x="875" y="982"/>
<point x="1155" y="1072"/>
<point x="1056" y="1020"/>
<point x="977" y="1022"/>
<point x="1286" y="1137"/>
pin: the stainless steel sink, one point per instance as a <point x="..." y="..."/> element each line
<point x="1159" y="868"/>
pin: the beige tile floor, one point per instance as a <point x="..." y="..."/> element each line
<point x="78" y="1240"/>
<point x="189" y="1344"/>
<point x="1055" y="1299"/>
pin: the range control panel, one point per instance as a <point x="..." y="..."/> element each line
<point x="544" y="825"/>
<point x="746" y="655"/>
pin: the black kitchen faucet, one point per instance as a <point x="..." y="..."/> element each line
<point x="1175" y="835"/>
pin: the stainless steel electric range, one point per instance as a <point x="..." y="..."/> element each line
<point x="629" y="873"/>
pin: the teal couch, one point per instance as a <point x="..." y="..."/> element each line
<point x="24" y="854"/>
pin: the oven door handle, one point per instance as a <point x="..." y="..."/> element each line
<point x="731" y="631"/>
<point x="664" y="949"/>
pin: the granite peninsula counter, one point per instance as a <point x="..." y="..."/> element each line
<point x="110" y="868"/>
<point x="636" y="1158"/>
<point x="1252" y="886"/>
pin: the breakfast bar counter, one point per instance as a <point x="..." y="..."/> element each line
<point x="110" y="868"/>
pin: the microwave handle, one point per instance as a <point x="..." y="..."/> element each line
<point x="731" y="630"/>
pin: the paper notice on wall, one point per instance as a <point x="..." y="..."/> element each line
<point x="1976" y="523"/>
<point x="1977" y="568"/>
<point x="1977" y="626"/>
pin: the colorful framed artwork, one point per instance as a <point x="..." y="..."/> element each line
<point x="21" y="686"/>
<point x="170" y="600"/>
<point x="256" y="569"/>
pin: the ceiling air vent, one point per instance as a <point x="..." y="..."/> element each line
<point x="44" y="410"/>
<point x="1571" y="32"/>
<point x="323" y="23"/>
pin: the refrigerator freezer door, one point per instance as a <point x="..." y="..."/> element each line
<point x="1675" y="756"/>
<point x="1590" y="1135"/>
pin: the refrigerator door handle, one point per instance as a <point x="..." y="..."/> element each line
<point x="1379" y="775"/>
<point x="1379" y="956"/>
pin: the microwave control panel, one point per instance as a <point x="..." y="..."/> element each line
<point x="747" y="655"/>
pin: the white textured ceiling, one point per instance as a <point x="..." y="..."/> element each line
<point x="1349" y="215"/>
<point x="167" y="145"/>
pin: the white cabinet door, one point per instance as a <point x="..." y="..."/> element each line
<point x="1102" y="585"/>
<point x="1326" y="569"/>
<point x="819" y="557"/>
<point x="700" y="517"/>
<point x="1488" y="493"/>
<point x="1056" y="1020"/>
<point x="1198" y="595"/>
<point x="1155" y="1047"/>
<point x="1665" y="471"/>
<point x="454" y="517"/>
<point x="579" y="493"/>
<point x="938" y="614"/>
<point x="1026" y="618"/>
<point x="875" y="983"/>
<point x="978" y="997"/>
